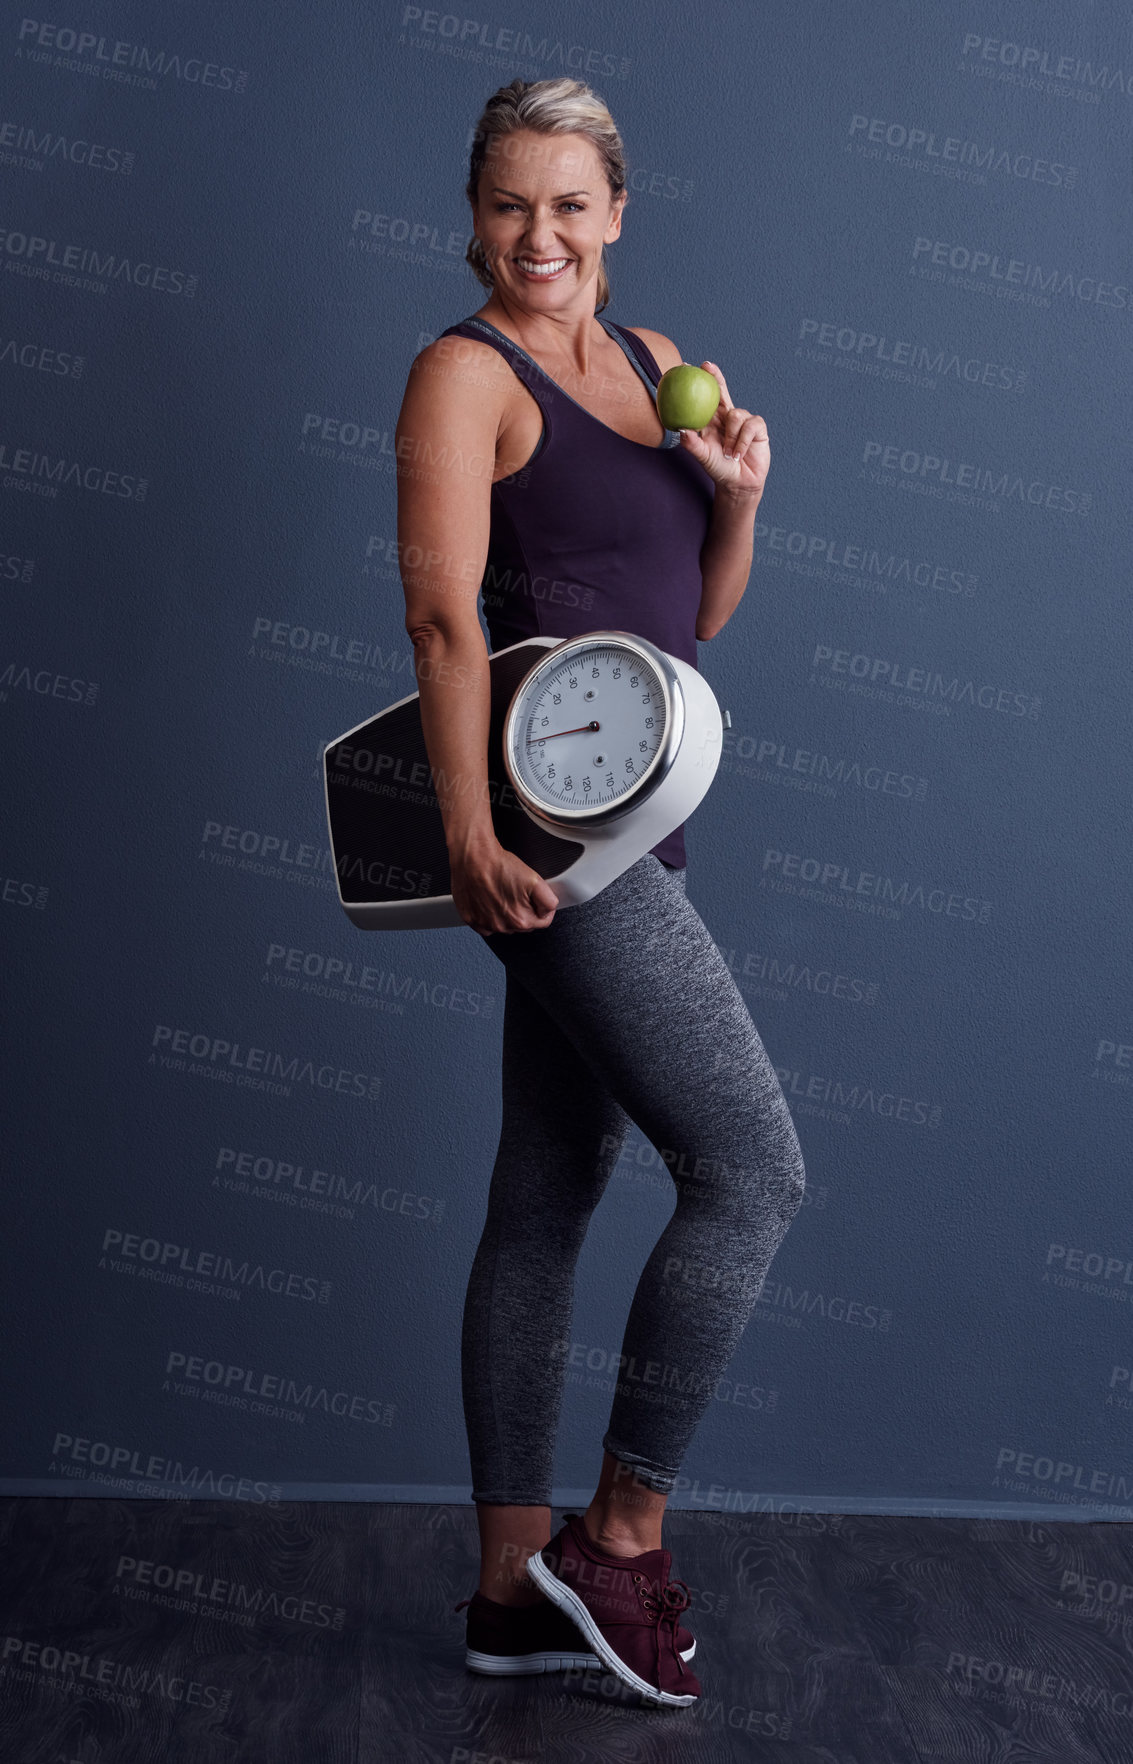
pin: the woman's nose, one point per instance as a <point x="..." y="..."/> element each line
<point x="540" y="232"/>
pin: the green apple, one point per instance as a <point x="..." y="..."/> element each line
<point x="687" y="397"/>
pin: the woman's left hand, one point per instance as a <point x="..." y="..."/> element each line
<point x="733" y="448"/>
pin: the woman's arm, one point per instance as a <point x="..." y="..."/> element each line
<point x="443" y="521"/>
<point x="446" y="453"/>
<point x="725" y="556"/>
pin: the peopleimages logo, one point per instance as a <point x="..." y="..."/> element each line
<point x="1066" y="1480"/>
<point x="20" y="893"/>
<point x="909" y="144"/>
<point x="238" y="1383"/>
<point x="169" y="1262"/>
<point x="1016" y="276"/>
<point x="116" y="58"/>
<point x="608" y="1367"/>
<point x="1108" y="1276"/>
<point x="16" y="569"/>
<point x="25" y="148"/>
<point x="1027" y="65"/>
<point x="294" y="1185"/>
<point x="44" y="473"/>
<point x="934" y="475"/>
<point x="805" y="769"/>
<point x="415" y="241"/>
<point x="257" y="1068"/>
<point x="130" y="1465"/>
<point x="399" y="556"/>
<point x="1113" y="1061"/>
<point x="204" y="1593"/>
<point x="782" y="975"/>
<point x="45" y="683"/>
<point x="807" y="552"/>
<point x="804" y="1088"/>
<point x="1091" y="1594"/>
<point x="891" y="676"/>
<point x="1009" y="1682"/>
<point x="346" y="439"/>
<point x="327" y="652"/>
<point x="468" y="38"/>
<point x="835" y="884"/>
<point x="343" y="978"/>
<point x="85" y="266"/>
<point x="271" y="854"/>
<point x="40" y="358"/>
<point x="776" y="1296"/>
<point x="99" y="1675"/>
<point x="890" y="357"/>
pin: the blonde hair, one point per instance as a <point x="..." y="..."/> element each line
<point x="548" y="107"/>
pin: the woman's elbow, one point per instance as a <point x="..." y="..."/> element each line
<point x="428" y="632"/>
<point x="420" y="631"/>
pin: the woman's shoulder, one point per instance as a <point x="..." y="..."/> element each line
<point x="455" y="343"/>
<point x="663" y="350"/>
<point x="461" y="360"/>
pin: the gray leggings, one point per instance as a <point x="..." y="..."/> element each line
<point x="622" y="1008"/>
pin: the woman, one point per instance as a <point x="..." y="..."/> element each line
<point x="533" y="464"/>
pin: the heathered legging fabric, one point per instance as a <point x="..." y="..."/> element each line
<point x="622" y="1008"/>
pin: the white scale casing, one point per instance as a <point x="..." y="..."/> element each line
<point x="582" y="848"/>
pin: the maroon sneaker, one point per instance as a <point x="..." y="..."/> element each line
<point x="521" y="1638"/>
<point x="507" y="1639"/>
<point x="626" y="1608"/>
<point x="686" y="1641"/>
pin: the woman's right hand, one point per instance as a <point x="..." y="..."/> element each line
<point x="494" y="890"/>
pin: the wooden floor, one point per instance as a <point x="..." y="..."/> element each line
<point x="216" y="1632"/>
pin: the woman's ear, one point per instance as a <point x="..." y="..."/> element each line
<point x="613" y="231"/>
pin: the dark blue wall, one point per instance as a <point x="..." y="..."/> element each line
<point x="906" y="242"/>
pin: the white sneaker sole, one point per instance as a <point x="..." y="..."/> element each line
<point x="505" y="1665"/>
<point x="567" y="1601"/>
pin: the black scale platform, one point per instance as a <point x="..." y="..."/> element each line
<point x="387" y="834"/>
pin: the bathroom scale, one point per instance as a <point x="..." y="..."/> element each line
<point x="598" y="746"/>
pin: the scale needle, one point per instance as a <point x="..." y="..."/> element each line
<point x="581" y="730"/>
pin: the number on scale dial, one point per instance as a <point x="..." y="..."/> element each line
<point x="586" y="728"/>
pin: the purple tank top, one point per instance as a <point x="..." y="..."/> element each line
<point x="596" y="531"/>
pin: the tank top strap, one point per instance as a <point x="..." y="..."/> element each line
<point x="529" y="371"/>
<point x="537" y="382"/>
<point x="641" y="349"/>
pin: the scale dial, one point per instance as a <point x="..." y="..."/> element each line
<point x="593" y="728"/>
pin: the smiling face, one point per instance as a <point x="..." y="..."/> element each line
<point x="544" y="213"/>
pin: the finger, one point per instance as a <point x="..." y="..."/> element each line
<point x="732" y="439"/>
<point x="543" y="896"/>
<point x="540" y="897"/>
<point x="752" y="431"/>
<point x="725" y="396"/>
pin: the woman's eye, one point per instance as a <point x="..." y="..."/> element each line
<point x="501" y="207"/>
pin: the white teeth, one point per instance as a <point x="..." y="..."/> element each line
<point x="543" y="269"/>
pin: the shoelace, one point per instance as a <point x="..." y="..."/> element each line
<point x="661" y="1607"/>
